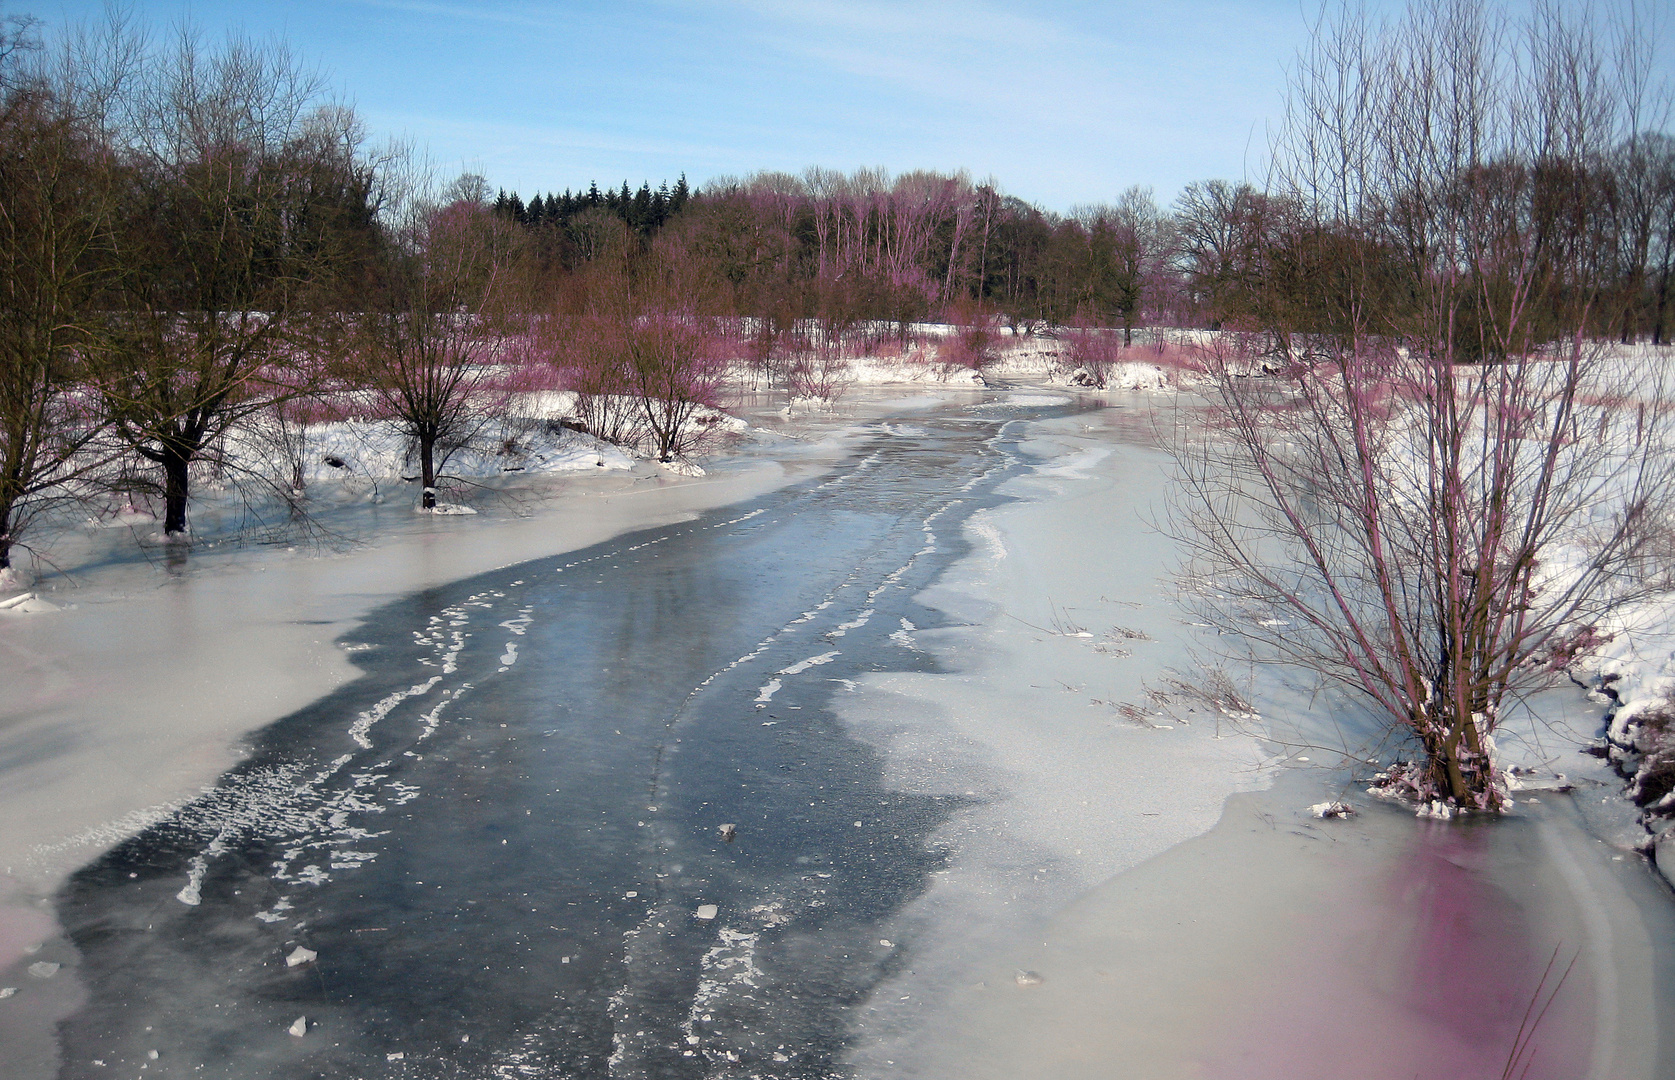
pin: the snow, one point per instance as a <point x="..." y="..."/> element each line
<point x="374" y="451"/>
<point x="26" y="604"/>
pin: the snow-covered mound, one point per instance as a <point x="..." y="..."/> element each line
<point x="376" y="451"/>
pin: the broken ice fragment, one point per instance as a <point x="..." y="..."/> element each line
<point x="1331" y="809"/>
<point x="1028" y="978"/>
<point x="299" y="1027"/>
<point x="728" y="831"/>
<point x="7" y="991"/>
<point x="707" y="912"/>
<point x="300" y="956"/>
<point x="43" y="969"/>
<point x="397" y="1056"/>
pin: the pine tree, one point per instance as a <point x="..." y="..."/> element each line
<point x="682" y="193"/>
<point x="660" y="205"/>
<point x="642" y="219"/>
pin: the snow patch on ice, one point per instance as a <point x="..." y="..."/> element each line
<point x="362" y="726"/>
<point x="814" y="661"/>
<point x="26" y="604"/>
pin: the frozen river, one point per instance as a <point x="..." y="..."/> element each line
<point x="501" y="839"/>
<point x="863" y="776"/>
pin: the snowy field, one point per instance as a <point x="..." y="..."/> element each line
<point x="1135" y="877"/>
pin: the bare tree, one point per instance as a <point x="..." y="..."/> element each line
<point x="1216" y="243"/>
<point x="241" y="183"/>
<point x="55" y="258"/>
<point x="1662" y="234"/>
<point x="674" y="370"/>
<point x="428" y="344"/>
<point x="1439" y="500"/>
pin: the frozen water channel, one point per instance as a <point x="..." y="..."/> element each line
<point x="859" y="777"/>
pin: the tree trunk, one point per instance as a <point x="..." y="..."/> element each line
<point x="427" y="470"/>
<point x="5" y="536"/>
<point x="1663" y="299"/>
<point x="176" y="490"/>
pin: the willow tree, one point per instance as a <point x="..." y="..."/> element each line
<point x="243" y="187"/>
<point x="1444" y="485"/>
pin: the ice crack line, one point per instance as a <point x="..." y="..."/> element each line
<point x="274" y="803"/>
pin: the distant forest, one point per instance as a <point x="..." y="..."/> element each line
<point x="843" y="248"/>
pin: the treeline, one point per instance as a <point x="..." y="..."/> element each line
<point x="842" y="249"/>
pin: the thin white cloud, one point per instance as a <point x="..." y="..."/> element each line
<point x="485" y="12"/>
<point x="908" y="20"/>
<point x="523" y="137"/>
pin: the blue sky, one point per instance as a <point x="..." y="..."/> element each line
<point x="1062" y="102"/>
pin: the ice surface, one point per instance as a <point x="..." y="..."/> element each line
<point x="117" y="711"/>
<point x="1063" y="789"/>
<point x="1102" y="914"/>
<point x="1370" y="948"/>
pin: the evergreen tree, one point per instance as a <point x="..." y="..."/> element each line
<point x="682" y="193"/>
<point x="641" y="218"/>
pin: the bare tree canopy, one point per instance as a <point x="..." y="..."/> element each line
<point x="436" y="321"/>
<point x="241" y="186"/>
<point x="1426" y="482"/>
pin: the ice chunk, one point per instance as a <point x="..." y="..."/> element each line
<point x="1028" y="978"/>
<point x="299" y="1027"/>
<point x="300" y="956"/>
<point x="707" y="912"/>
<point x="44" y="969"/>
<point x="728" y="831"/>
